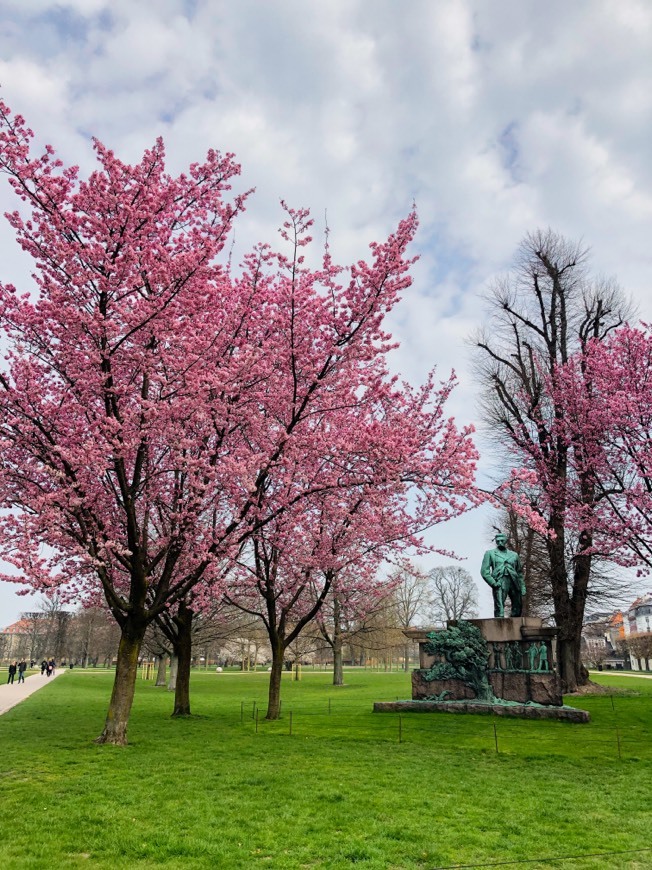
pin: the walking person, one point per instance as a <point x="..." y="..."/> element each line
<point x="48" y="669"/>
<point x="44" y="665"/>
<point x="12" y="672"/>
<point x="22" y="667"/>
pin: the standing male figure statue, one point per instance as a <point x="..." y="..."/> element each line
<point x="502" y="570"/>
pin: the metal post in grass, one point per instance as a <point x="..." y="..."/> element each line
<point x="329" y="706"/>
<point x="290" y="723"/>
<point x="618" y="742"/>
<point x="612" y="702"/>
<point x="241" y="712"/>
<point x="256" y="720"/>
<point x="400" y="729"/>
<point x="496" y="737"/>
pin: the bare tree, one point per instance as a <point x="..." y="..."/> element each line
<point x="411" y="597"/>
<point x="186" y="629"/>
<point x="453" y="594"/>
<point x="596" y="646"/>
<point x="331" y="628"/>
<point x="348" y="618"/>
<point x="547" y="309"/>
<point x="378" y="637"/>
<point x="55" y="624"/>
<point x="157" y="644"/>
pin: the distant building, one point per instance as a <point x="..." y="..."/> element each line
<point x="36" y="635"/>
<point x="639" y="615"/>
<point x="638" y="633"/>
<point x="15" y="639"/>
<point x="603" y="641"/>
<point x="616" y="628"/>
<point x="596" y="645"/>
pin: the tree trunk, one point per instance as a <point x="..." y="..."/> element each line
<point x="338" y="667"/>
<point x="571" y="670"/>
<point x="172" y="680"/>
<point x="183" y="650"/>
<point x="569" y="609"/>
<point x="87" y="646"/>
<point x="274" y="699"/>
<point x="566" y="661"/>
<point x="559" y="584"/>
<point x="527" y="571"/>
<point x="160" y="673"/>
<point x="124" y="684"/>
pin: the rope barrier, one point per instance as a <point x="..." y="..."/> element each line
<point x="609" y="742"/>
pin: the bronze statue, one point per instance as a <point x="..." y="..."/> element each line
<point x="502" y="570"/>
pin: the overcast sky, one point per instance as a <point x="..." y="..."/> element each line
<point x="494" y="117"/>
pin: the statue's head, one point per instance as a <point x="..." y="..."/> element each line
<point x="501" y="541"/>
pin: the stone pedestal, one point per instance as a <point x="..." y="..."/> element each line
<point x="502" y="666"/>
<point x="520" y="711"/>
<point x="521" y="667"/>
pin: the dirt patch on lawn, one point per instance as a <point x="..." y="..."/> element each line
<point x="592" y="688"/>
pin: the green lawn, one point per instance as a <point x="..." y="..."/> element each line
<point x="213" y="791"/>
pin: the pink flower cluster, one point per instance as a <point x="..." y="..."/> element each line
<point x="169" y="425"/>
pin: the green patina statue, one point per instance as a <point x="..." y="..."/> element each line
<point x="466" y="657"/>
<point x="543" y="657"/>
<point x="502" y="570"/>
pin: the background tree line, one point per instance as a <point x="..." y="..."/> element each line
<point x="228" y="637"/>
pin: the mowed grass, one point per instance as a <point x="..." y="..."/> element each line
<point x="218" y="790"/>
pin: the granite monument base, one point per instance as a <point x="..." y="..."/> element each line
<point x="514" y="666"/>
<point x="521" y="711"/>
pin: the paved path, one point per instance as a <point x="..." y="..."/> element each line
<point x="639" y="675"/>
<point x="13" y="694"/>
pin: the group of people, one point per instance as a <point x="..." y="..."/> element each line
<point x="47" y="667"/>
<point x="17" y="668"/>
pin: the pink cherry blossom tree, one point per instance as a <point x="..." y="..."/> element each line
<point x="119" y="392"/>
<point x="373" y="463"/>
<point x="150" y="398"/>
<point x="289" y="568"/>
<point x="608" y="399"/>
